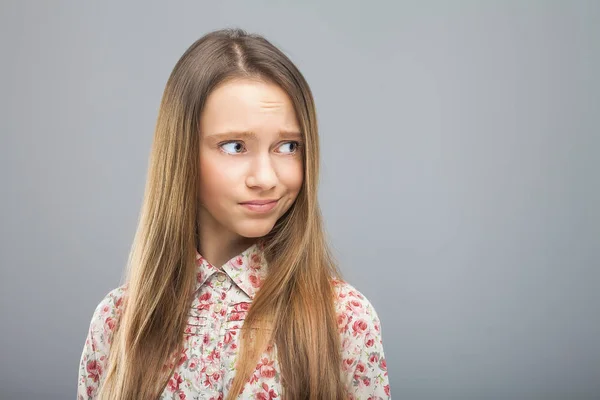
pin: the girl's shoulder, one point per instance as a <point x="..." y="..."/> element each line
<point x="107" y="314"/>
<point x="355" y="313"/>
<point x="112" y="303"/>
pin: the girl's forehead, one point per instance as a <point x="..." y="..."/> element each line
<point x="248" y="106"/>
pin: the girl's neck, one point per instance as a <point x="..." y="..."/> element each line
<point x="218" y="249"/>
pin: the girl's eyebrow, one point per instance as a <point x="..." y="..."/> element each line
<point x="251" y="135"/>
<point x="230" y="134"/>
<point x="290" y="135"/>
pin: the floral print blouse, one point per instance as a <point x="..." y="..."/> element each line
<point x="207" y="364"/>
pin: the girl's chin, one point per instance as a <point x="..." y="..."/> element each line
<point x="255" y="229"/>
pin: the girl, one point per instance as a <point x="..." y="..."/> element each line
<point x="230" y="207"/>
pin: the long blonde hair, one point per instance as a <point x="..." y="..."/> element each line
<point x="294" y="308"/>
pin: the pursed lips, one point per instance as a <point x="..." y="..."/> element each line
<point x="260" y="202"/>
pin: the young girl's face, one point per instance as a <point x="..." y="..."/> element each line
<point x="250" y="153"/>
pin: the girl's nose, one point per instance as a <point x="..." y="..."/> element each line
<point x="262" y="174"/>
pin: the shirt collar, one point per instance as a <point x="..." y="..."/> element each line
<point x="248" y="269"/>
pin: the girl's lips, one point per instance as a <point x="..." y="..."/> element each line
<point x="260" y="206"/>
<point x="259" y="201"/>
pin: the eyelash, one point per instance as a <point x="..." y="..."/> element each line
<point x="298" y="146"/>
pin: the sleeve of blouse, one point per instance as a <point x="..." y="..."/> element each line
<point x="363" y="361"/>
<point x="93" y="361"/>
<point x="370" y="379"/>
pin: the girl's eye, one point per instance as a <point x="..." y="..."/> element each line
<point x="232" y="147"/>
<point x="290" y="147"/>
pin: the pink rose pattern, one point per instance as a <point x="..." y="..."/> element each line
<point x="206" y="366"/>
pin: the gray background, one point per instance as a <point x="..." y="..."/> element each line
<point x="460" y="177"/>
